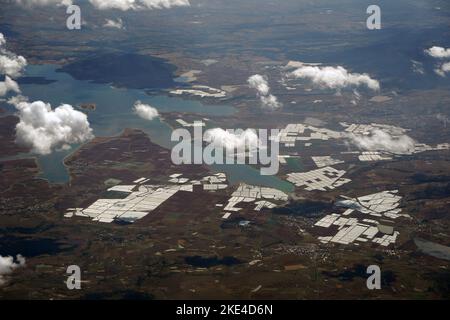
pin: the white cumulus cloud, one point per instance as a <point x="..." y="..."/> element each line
<point x="160" y="4"/>
<point x="8" y="85"/>
<point x="117" y="24"/>
<point x="10" y="63"/>
<point x="270" y="102"/>
<point x="40" y="128"/>
<point x="380" y="140"/>
<point x="15" y="100"/>
<point x="260" y="84"/>
<point x="125" y="5"/>
<point x="247" y="139"/>
<point x="443" y="69"/>
<point x="114" y="4"/>
<point x="29" y="3"/>
<point x="145" y="111"/>
<point x="43" y="129"/>
<point x="438" y="52"/>
<point x="334" y="77"/>
<point x="8" y="265"/>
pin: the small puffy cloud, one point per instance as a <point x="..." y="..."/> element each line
<point x="334" y="77"/>
<point x="43" y="129"/>
<point x="116" y="24"/>
<point x="417" y="67"/>
<point x="260" y="84"/>
<point x="380" y="140"/>
<point x="8" y="265"/>
<point x="11" y="64"/>
<point x="247" y="139"/>
<point x="438" y="52"/>
<point x="29" y="3"/>
<point x="8" y="85"/>
<point x="270" y="102"/>
<point x="161" y="4"/>
<point x="145" y="111"/>
<point x="443" y="69"/>
<point x="125" y="5"/>
<point x="15" y="100"/>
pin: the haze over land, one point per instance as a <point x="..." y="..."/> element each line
<point x="87" y="174"/>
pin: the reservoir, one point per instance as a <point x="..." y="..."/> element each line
<point x="114" y="113"/>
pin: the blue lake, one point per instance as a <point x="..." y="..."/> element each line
<point x="114" y="113"/>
